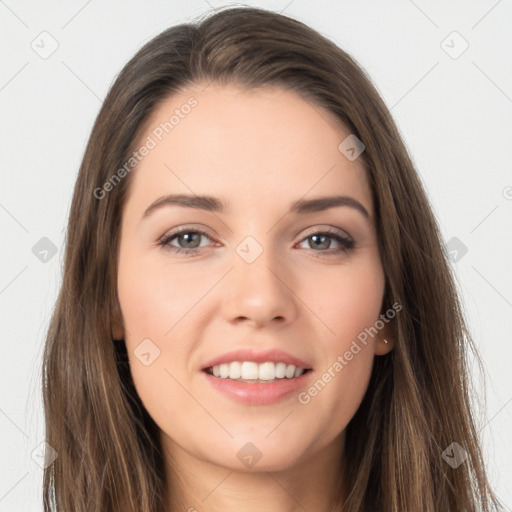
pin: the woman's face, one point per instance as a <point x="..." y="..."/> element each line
<point x="261" y="274"/>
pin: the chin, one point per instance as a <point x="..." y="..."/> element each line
<point x="256" y="454"/>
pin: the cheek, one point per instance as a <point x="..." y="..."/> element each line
<point x="158" y="308"/>
<point x="346" y="300"/>
<point x="155" y="299"/>
<point x="347" y="309"/>
<point x="157" y="350"/>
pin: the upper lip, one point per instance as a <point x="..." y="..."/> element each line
<point x="258" y="356"/>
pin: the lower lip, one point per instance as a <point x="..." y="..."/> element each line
<point x="258" y="393"/>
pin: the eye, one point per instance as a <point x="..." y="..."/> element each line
<point x="323" y="240"/>
<point x="188" y="240"/>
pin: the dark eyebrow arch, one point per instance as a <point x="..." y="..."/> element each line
<point x="209" y="203"/>
<point x="324" y="203"/>
<point x="214" y="204"/>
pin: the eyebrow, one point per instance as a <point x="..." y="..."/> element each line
<point x="214" y="204"/>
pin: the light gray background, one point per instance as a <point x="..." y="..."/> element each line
<point x="454" y="113"/>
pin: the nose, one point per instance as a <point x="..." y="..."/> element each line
<point x="260" y="292"/>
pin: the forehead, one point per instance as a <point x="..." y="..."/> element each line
<point x="257" y="146"/>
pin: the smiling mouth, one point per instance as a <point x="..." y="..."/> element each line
<point x="250" y="383"/>
<point x="290" y="373"/>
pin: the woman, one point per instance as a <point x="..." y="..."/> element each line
<point x="257" y="312"/>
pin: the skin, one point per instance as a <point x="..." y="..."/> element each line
<point x="259" y="151"/>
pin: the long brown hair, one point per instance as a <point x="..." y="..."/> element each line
<point x="419" y="399"/>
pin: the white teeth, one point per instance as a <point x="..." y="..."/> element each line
<point x="235" y="370"/>
<point x="280" y="370"/>
<point x="249" y="370"/>
<point x="224" y="371"/>
<point x="290" y="371"/>
<point x="267" y="371"/>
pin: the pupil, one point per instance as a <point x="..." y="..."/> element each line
<point x="187" y="236"/>
<point x="324" y="245"/>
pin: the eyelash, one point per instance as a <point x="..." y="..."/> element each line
<point x="346" y="243"/>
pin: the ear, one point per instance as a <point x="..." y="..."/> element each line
<point x="385" y="339"/>
<point x="117" y="324"/>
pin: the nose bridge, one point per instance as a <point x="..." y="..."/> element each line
<point x="257" y="289"/>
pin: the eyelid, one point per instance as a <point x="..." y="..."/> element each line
<point x="200" y="228"/>
<point x="326" y="228"/>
